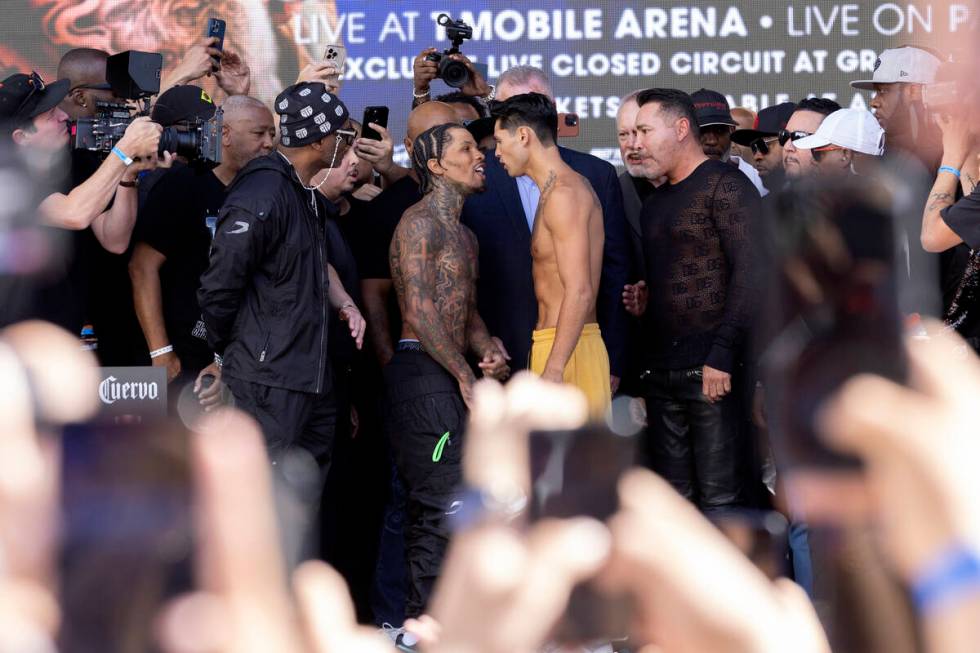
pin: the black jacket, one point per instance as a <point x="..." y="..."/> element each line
<point x="264" y="296"/>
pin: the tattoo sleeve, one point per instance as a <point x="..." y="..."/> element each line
<point x="936" y="235"/>
<point x="413" y="265"/>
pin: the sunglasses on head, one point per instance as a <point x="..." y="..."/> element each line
<point x="818" y="152"/>
<point x="37" y="86"/>
<point x="761" y="145"/>
<point x="349" y="135"/>
<point x="787" y="136"/>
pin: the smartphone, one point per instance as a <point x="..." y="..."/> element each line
<point x="837" y="280"/>
<point x="216" y="28"/>
<point x="568" y="125"/>
<point x="127" y="544"/>
<point x="759" y="534"/>
<point x="377" y="115"/>
<point x="576" y="473"/>
<point x="336" y="54"/>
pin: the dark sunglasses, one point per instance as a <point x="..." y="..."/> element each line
<point x="818" y="152"/>
<point x="786" y="136"/>
<point x="37" y="86"/>
<point x="761" y="145"/>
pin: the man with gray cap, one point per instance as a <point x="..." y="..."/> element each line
<point x="897" y="81"/>
<point x="269" y="294"/>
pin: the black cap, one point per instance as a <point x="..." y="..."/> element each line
<point x="768" y="123"/>
<point x="23" y="97"/>
<point x="711" y="108"/>
<point x="308" y="113"/>
<point x="182" y="103"/>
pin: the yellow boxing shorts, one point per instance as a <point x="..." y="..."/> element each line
<point x="587" y="369"/>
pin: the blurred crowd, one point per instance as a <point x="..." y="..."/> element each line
<point x="505" y="399"/>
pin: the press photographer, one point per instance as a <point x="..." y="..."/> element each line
<point x="31" y="120"/>
<point x="451" y="66"/>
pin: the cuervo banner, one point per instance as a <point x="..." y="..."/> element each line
<point x="137" y="391"/>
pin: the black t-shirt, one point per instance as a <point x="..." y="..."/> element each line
<point x="340" y="345"/>
<point x="177" y="221"/>
<point x="370" y="237"/>
<point x="697" y="243"/>
<point x="964" y="218"/>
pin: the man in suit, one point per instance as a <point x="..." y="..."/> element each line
<point x="502" y="218"/>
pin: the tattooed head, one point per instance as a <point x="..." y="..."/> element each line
<point x="452" y="147"/>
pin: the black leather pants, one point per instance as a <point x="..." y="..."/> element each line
<point x="694" y="444"/>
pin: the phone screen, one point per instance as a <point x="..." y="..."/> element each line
<point x="127" y="532"/>
<point x="376" y="115"/>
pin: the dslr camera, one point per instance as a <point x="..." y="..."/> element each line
<point x="454" y="73"/>
<point x="136" y="76"/>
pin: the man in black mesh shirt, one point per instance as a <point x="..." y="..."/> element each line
<point x="697" y="242"/>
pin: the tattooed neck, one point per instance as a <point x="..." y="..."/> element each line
<point x="549" y="183"/>
<point x="446" y="201"/>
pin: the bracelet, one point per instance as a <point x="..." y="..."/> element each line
<point x="951" y="575"/>
<point x="122" y="156"/>
<point x="492" y="94"/>
<point x="349" y="305"/>
<point x="419" y="97"/>
<point x="130" y="184"/>
<point x="220" y="362"/>
<point x="156" y="353"/>
<point x="951" y="170"/>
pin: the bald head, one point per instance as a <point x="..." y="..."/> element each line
<point x="248" y="131"/>
<point x="428" y="115"/>
<point x="238" y="106"/>
<point x="83" y="66"/>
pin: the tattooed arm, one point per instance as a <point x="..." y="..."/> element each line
<point x="493" y="363"/>
<point x="936" y="235"/>
<point x="413" y="253"/>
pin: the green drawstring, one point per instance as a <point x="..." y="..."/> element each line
<point x="440" y="445"/>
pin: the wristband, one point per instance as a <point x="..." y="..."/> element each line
<point x="156" y="353"/>
<point x="951" y="170"/>
<point x="128" y="161"/>
<point x="952" y="575"/>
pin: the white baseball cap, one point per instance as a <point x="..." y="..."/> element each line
<point x="908" y="65"/>
<point x="852" y="129"/>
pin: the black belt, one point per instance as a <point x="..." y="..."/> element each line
<point x="409" y="345"/>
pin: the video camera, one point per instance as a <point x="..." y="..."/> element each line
<point x="136" y="76"/>
<point x="454" y="73"/>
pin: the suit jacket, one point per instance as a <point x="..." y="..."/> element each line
<point x="505" y="290"/>
<point x="632" y="205"/>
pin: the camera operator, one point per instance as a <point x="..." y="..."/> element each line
<point x="33" y="122"/>
<point x="269" y="288"/>
<point x="173" y="238"/>
<point x="425" y="70"/>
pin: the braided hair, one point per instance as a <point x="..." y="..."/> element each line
<point x="430" y="144"/>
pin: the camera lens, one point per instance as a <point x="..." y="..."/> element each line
<point x="454" y="73"/>
<point x="180" y="142"/>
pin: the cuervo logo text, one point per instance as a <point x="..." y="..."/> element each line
<point x="111" y="390"/>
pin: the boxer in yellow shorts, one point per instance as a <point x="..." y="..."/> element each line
<point x="566" y="249"/>
<point x="587" y="369"/>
